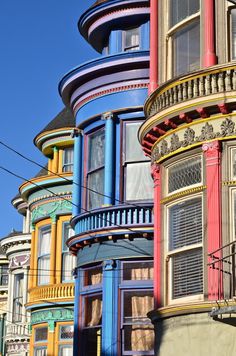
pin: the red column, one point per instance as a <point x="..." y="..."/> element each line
<point x="153" y="46"/>
<point x="212" y="151"/>
<point x="209" y="58"/>
<point x="155" y="169"/>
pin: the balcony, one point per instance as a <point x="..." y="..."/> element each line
<point x="115" y="217"/>
<point x="222" y="279"/>
<point x="187" y="111"/>
<point x="52" y="292"/>
<point x="17" y="331"/>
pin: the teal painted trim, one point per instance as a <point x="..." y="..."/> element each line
<point x="97" y="252"/>
<point x="109" y="161"/>
<point x="145" y="42"/>
<point x="76" y="317"/>
<point x="51" y="210"/>
<point x="43" y="183"/>
<point x="52" y="315"/>
<point x="110" y="309"/>
<point x="76" y="196"/>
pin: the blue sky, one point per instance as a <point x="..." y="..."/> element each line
<point x="39" y="43"/>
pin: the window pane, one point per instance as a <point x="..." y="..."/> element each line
<point x="184" y="174"/>
<point x="187" y="274"/>
<point x="93" y="276"/>
<point x="136" y="306"/>
<point x="40" y="351"/>
<point x="233" y="34"/>
<point x="41" y="334"/>
<point x="4" y="275"/>
<point x="186" y="49"/>
<point x="133" y="150"/>
<point x="185" y="223"/>
<point x="138" y="271"/>
<point x="66" y="332"/>
<point x="44" y="241"/>
<point x="96" y="150"/>
<point x="66" y="350"/>
<point x="93" y="310"/>
<point x="44" y="270"/>
<point x="68" y="159"/>
<point x="68" y="264"/>
<point x="96" y="183"/>
<point x="91" y="341"/>
<point x="138" y="181"/>
<point x="180" y="9"/>
<point x="138" y="337"/>
<point x="131" y="39"/>
<point x="67" y="233"/>
<point x="18" y="297"/>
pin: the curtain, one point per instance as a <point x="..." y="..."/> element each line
<point x="40" y="352"/>
<point x="96" y="277"/>
<point x="139" y="183"/>
<point x="96" y="150"/>
<point x="94" y="311"/>
<point x="142" y="273"/>
<point x="66" y="350"/>
<point x="96" y="183"/>
<point x="141" y="335"/>
<point x="68" y="264"/>
<point x="44" y="270"/>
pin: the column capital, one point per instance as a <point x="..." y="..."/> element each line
<point x="107" y="115"/>
<point x="155" y="171"/>
<point x="212" y="149"/>
<point x="76" y="132"/>
<point x="109" y="265"/>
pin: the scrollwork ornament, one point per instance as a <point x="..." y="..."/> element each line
<point x="227" y="127"/>
<point x="155" y="154"/>
<point x="164" y="148"/>
<point x="189" y="137"/>
<point x="174" y="142"/>
<point x="207" y="133"/>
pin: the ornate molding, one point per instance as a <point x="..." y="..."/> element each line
<point x="51" y="316"/>
<point x="183" y="193"/>
<point x="190" y="138"/>
<point x="51" y="210"/>
<point x="155" y="171"/>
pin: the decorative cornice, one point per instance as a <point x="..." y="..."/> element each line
<point x="53" y="210"/>
<point x="51" y="316"/>
<point x="183" y="193"/>
<point x="163" y="148"/>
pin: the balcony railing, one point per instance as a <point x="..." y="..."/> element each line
<point x="217" y="80"/>
<point x="17" y="330"/>
<point x="222" y="264"/>
<point x="55" y="291"/>
<point x="115" y="217"/>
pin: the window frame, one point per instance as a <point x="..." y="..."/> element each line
<point x="174" y="163"/>
<point x="44" y="228"/>
<point x="126" y="48"/>
<point x="129" y="162"/>
<point x="16" y="297"/>
<point x="60" y="343"/>
<point x="42" y="344"/>
<point x="126" y="286"/>
<point x="4" y="274"/>
<point x="168" y="254"/>
<point x="64" y="252"/>
<point x="67" y="166"/>
<point x="89" y="171"/>
<point x="173" y="30"/>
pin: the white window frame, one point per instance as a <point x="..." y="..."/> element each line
<point x="67" y="166"/>
<point x="171" y="31"/>
<point x="65" y="252"/>
<point x="126" y="48"/>
<point x="168" y="255"/>
<point x="45" y="228"/>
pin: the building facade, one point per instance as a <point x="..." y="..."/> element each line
<point x="112" y="188"/>
<point x="190" y="136"/>
<point x="50" y="283"/>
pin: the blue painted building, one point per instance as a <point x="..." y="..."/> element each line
<point x="113" y="190"/>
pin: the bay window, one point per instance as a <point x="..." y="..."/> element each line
<point x="3" y="275"/>
<point x="184" y="32"/>
<point x="95" y="174"/>
<point x="68" y="160"/>
<point x="68" y="261"/>
<point x="43" y="267"/>
<point x="138" y="184"/>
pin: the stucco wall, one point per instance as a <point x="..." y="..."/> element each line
<point x="196" y="335"/>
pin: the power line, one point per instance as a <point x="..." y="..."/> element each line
<point x="51" y="192"/>
<point x="65" y="178"/>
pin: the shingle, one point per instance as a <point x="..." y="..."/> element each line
<point x="64" y="119"/>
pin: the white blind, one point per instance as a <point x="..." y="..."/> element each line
<point x="185" y="224"/>
<point x="187" y="272"/>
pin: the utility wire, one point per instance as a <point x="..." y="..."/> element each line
<point x="51" y="192"/>
<point x="65" y="178"/>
